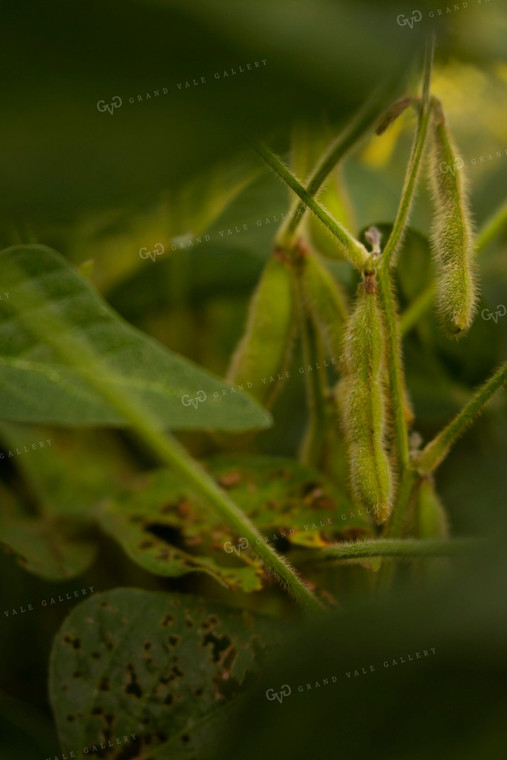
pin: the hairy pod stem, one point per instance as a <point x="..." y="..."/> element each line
<point x="436" y="451"/>
<point x="404" y="549"/>
<point x="360" y="124"/>
<point x="412" y="174"/>
<point x="351" y="248"/>
<point x="363" y="404"/>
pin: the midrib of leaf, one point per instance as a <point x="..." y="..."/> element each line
<point x="28" y="365"/>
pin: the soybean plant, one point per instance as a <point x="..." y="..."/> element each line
<point x="388" y="474"/>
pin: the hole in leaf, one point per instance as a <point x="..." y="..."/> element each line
<point x="105" y="684"/>
<point x="168" y="619"/>
<point x="166" y="533"/>
<point x="219" y="644"/>
<point x="281" y="544"/>
<point x="133" y="687"/>
<point x="174" y="640"/>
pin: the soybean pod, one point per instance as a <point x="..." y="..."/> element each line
<point x="260" y="361"/>
<point x="452" y="236"/>
<point x="323" y="299"/>
<point x="363" y="403"/>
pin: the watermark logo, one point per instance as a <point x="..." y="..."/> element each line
<point x="199" y="399"/>
<point x="243" y="544"/>
<point x="445" y="167"/>
<point x="115" y="103"/>
<point x="285" y="691"/>
<point x="501" y="311"/>
<point x="158" y="250"/>
<point x="402" y="20"/>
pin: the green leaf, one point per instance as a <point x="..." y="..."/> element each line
<point x="37" y="387"/>
<point x="163" y="528"/>
<point x="151" y="523"/>
<point x="53" y="549"/>
<point x="47" y="462"/>
<point x="156" y="665"/>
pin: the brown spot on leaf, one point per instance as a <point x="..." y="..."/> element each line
<point x="230" y="479"/>
<point x="133" y="687"/>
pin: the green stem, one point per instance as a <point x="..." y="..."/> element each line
<point x="437" y="449"/>
<point x="394" y="366"/>
<point x="491" y="228"/>
<point x="352" y="249"/>
<point x="77" y="352"/>
<point x="362" y="122"/>
<point x="396" y="237"/>
<point x="402" y="548"/>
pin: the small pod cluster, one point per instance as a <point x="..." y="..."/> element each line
<point x="363" y="404"/>
<point x="262" y="354"/>
<point x="452" y="236"/>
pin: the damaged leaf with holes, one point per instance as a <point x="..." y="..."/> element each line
<point x="161" y="666"/>
<point x="163" y="527"/>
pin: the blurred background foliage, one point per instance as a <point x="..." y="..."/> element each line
<point x="170" y="169"/>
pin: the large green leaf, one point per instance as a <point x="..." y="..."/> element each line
<point x="160" y="666"/>
<point x="36" y="385"/>
<point x="164" y="529"/>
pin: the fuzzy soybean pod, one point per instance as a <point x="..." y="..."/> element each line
<point x="452" y="236"/>
<point x="364" y="406"/>
<point x="260" y="361"/>
<point x="323" y="299"/>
